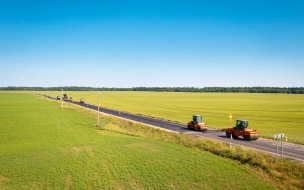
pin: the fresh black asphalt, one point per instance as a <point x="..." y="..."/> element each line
<point x="290" y="151"/>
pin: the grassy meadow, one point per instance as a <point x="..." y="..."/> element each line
<point x="45" y="147"/>
<point x="268" y="113"/>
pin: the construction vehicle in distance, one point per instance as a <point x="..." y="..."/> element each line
<point x="65" y="97"/>
<point x="197" y="124"/>
<point x="241" y="129"/>
<point x="71" y="99"/>
<point x="82" y="100"/>
<point x="58" y="98"/>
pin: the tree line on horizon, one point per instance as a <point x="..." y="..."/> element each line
<point x="285" y="90"/>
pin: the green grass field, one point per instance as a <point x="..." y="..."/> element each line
<point x="45" y="147"/>
<point x="268" y="113"/>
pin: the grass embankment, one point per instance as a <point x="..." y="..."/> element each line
<point x="285" y="174"/>
<point x="45" y="147"/>
<point x="270" y="114"/>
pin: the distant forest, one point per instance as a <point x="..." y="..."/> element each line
<point x="289" y="90"/>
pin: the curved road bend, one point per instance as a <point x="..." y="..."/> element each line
<point x="290" y="151"/>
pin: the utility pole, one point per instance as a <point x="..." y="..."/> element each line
<point x="61" y="98"/>
<point x="98" y="105"/>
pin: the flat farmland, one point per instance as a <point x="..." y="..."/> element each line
<point x="45" y="147"/>
<point x="268" y="113"/>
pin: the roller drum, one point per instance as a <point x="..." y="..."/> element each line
<point x="254" y="136"/>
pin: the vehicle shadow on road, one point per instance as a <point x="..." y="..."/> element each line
<point x="225" y="137"/>
<point x="186" y="129"/>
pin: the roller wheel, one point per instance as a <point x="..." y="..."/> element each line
<point x="228" y="134"/>
<point x="246" y="138"/>
<point x="234" y="137"/>
<point x="189" y="127"/>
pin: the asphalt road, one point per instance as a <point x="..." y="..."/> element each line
<point x="290" y="150"/>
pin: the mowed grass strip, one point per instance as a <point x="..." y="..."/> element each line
<point x="270" y="114"/>
<point x="45" y="147"/>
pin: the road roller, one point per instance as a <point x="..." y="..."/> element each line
<point x="241" y="129"/>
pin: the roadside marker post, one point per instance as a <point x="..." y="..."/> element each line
<point x="230" y="119"/>
<point x="61" y="98"/>
<point x="277" y="136"/>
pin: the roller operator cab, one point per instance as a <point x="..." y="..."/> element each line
<point x="241" y="129"/>
<point x="197" y="123"/>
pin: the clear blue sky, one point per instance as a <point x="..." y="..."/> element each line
<point x="193" y="43"/>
